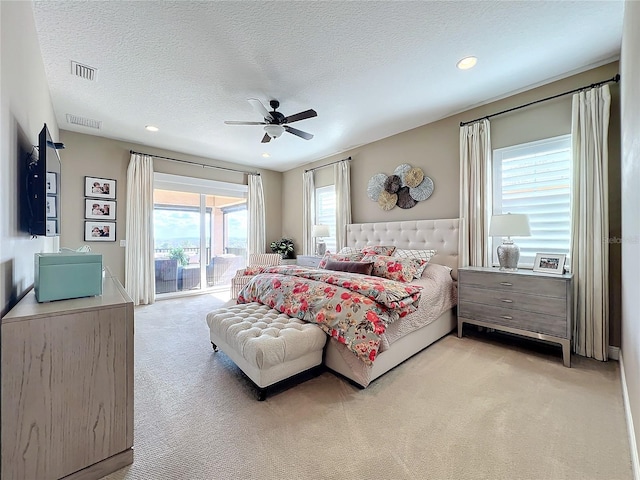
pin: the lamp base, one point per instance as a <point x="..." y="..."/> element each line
<point x="508" y="256"/>
<point x="321" y="248"/>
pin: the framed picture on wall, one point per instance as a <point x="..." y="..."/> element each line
<point x="99" y="231"/>
<point x="52" y="206"/>
<point x="52" y="182"/>
<point x="99" y="209"/>
<point x="52" y="227"/>
<point x="99" y="187"/>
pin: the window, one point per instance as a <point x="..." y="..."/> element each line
<point x="201" y="224"/>
<point x="326" y="213"/>
<point x="535" y="178"/>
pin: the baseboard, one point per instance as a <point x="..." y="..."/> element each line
<point x="614" y="353"/>
<point x="635" y="462"/>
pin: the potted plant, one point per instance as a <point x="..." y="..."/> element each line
<point x="179" y="254"/>
<point x="284" y="247"/>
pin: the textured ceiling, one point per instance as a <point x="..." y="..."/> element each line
<point x="370" y="69"/>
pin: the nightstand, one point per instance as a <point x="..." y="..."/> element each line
<point x="535" y="305"/>
<point x="308" y="261"/>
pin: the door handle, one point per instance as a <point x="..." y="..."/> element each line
<point x="506" y="300"/>
<point x="507" y="317"/>
<point x="506" y="284"/>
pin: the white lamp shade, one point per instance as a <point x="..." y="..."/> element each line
<point x="320" y="231"/>
<point x="510" y="225"/>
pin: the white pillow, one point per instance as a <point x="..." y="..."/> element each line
<point x="418" y="255"/>
<point x="348" y="250"/>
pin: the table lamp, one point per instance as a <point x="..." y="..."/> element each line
<point x="319" y="232"/>
<point x="509" y="225"/>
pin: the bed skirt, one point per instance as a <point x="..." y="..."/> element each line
<point x="340" y="360"/>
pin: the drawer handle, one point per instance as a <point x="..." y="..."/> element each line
<point x="506" y="300"/>
<point x="506" y="284"/>
<point x="507" y="317"/>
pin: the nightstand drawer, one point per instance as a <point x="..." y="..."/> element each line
<point x="530" y="321"/>
<point x="554" y="306"/>
<point x="505" y="282"/>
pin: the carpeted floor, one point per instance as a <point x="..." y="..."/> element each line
<point x="470" y="408"/>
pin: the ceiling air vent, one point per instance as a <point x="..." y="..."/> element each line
<point x="83" y="122"/>
<point x="83" y="71"/>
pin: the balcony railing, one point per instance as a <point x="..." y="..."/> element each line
<point x="170" y="277"/>
<point x="194" y="252"/>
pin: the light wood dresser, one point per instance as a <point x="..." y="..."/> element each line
<point x="67" y="386"/>
<point x="535" y="305"/>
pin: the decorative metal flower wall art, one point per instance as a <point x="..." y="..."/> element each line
<point x="405" y="187"/>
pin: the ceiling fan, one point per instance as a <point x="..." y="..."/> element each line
<point x="275" y="123"/>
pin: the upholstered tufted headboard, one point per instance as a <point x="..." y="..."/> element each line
<point x="439" y="235"/>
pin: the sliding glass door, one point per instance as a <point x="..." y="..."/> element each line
<point x="200" y="233"/>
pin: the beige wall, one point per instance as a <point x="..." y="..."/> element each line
<point x="630" y="64"/>
<point x="435" y="149"/>
<point x="25" y="105"/>
<point x="88" y="155"/>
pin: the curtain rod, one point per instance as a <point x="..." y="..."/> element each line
<point x="615" y="79"/>
<point x="203" y="165"/>
<point x="348" y="159"/>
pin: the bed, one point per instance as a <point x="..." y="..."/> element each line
<point x="356" y="350"/>
<point x="440" y="235"/>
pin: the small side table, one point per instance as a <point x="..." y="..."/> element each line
<point x="531" y="304"/>
<point x="188" y="277"/>
<point x="308" y="261"/>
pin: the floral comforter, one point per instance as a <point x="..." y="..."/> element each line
<point x="355" y="309"/>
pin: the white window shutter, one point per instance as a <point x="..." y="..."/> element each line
<point x="535" y="178"/>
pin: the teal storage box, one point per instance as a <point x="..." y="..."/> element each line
<point x="59" y="276"/>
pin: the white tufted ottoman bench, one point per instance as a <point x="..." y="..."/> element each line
<point x="268" y="346"/>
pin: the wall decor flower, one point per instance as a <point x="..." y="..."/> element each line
<point x="405" y="187"/>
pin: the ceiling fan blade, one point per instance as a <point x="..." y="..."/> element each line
<point x="260" y="108"/>
<point x="300" y="116"/>
<point x="299" y="133"/>
<point x="266" y="138"/>
<point x="232" y="122"/>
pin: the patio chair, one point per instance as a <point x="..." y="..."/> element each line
<point x="166" y="275"/>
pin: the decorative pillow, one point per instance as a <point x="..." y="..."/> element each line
<point x="351" y="267"/>
<point x="349" y="250"/>
<point x="379" y="250"/>
<point x="393" y="268"/>
<point x="339" y="257"/>
<point x="418" y="255"/>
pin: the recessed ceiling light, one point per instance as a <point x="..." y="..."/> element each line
<point x="266" y="155"/>
<point x="152" y="128"/>
<point x="467" y="63"/>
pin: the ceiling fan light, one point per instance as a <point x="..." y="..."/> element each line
<point x="274" y="131"/>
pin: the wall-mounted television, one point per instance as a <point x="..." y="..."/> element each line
<point x="43" y="187"/>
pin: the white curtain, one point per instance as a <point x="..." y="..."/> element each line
<point x="590" y="222"/>
<point x="342" y="175"/>
<point x="139" y="277"/>
<point x="308" y="212"/>
<point x="256" y="235"/>
<point x="475" y="193"/>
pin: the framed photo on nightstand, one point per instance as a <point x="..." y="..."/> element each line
<point x="549" y="263"/>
